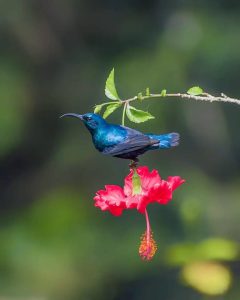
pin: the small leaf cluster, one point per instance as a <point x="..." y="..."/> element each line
<point x="134" y="115"/>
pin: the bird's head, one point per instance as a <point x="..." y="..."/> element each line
<point x="90" y="120"/>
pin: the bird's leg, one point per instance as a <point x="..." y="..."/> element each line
<point x="133" y="164"/>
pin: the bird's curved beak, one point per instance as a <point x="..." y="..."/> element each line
<point x="72" y="115"/>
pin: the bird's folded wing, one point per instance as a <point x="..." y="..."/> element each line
<point x="131" y="143"/>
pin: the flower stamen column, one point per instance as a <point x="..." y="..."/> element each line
<point x="148" y="246"/>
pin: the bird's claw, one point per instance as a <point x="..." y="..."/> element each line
<point x="133" y="164"/>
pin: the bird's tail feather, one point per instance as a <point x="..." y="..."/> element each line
<point x="165" y="140"/>
<point x="174" y="139"/>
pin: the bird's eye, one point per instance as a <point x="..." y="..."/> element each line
<point x="88" y="118"/>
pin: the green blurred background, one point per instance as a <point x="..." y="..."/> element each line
<point x="54" y="58"/>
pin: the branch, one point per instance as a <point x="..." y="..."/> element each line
<point x="138" y="116"/>
<point x="203" y="97"/>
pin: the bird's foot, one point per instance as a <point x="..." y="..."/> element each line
<point x="133" y="164"/>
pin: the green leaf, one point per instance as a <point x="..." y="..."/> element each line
<point x="97" y="108"/>
<point x="110" y="109"/>
<point x="147" y="91"/>
<point x="163" y="93"/>
<point x="140" y="96"/>
<point x="138" y="116"/>
<point x="195" y="91"/>
<point x="110" y="89"/>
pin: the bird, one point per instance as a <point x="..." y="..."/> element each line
<point x="121" y="141"/>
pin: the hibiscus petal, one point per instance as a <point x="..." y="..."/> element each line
<point x="128" y="187"/>
<point x="148" y="179"/>
<point x="112" y="199"/>
<point x="142" y="204"/>
<point x="175" y="181"/>
<point x="132" y="201"/>
<point x="116" y="211"/>
<point x="162" y="193"/>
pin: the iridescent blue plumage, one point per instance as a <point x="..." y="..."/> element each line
<point x="123" y="142"/>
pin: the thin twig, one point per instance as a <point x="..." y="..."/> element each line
<point x="203" y="97"/>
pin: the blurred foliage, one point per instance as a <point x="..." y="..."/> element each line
<point x="211" y="249"/>
<point x="55" y="57"/>
<point x="209" y="278"/>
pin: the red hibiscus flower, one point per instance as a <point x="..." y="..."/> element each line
<point x="141" y="188"/>
<point x="153" y="188"/>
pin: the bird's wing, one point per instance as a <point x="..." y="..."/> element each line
<point x="134" y="140"/>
